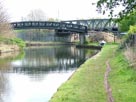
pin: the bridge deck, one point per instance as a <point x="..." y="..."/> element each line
<point x="49" y="25"/>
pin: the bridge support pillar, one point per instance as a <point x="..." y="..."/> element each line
<point x="82" y="38"/>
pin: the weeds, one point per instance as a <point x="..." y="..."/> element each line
<point x="130" y="54"/>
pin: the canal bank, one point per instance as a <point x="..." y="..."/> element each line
<point x="4" y="48"/>
<point x="29" y="44"/>
<point x="87" y="83"/>
<point x="11" y="45"/>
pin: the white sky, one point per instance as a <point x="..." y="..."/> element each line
<point x="61" y="9"/>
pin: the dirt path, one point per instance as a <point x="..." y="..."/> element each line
<point x="106" y="83"/>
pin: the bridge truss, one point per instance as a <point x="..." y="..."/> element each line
<point x="96" y="24"/>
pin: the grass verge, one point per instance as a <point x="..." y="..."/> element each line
<point x="122" y="79"/>
<point x="13" y="41"/>
<point x="87" y="83"/>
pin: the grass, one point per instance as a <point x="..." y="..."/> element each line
<point x="87" y="83"/>
<point x="122" y="79"/>
<point x="13" y="41"/>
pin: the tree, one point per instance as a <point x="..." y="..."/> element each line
<point x="36" y="15"/>
<point x="3" y="18"/>
<point x="5" y="28"/>
<point x="54" y="20"/>
<point x="128" y="7"/>
<point x="128" y="21"/>
<point x="132" y="30"/>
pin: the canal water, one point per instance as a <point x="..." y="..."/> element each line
<point x="35" y="74"/>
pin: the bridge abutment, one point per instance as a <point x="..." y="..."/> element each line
<point x="82" y="38"/>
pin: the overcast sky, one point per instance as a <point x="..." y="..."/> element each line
<point x="61" y="9"/>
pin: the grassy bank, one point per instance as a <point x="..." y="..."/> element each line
<point x="122" y="79"/>
<point x="87" y="84"/>
<point x="12" y="41"/>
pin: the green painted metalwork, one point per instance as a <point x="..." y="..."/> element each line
<point x="96" y="24"/>
<point x="72" y="28"/>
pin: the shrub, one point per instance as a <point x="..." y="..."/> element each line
<point x="18" y="41"/>
<point x="132" y="30"/>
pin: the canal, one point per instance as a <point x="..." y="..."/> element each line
<point x="35" y="74"/>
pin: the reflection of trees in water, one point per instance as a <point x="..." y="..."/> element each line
<point x="7" y="58"/>
<point x="5" y="65"/>
<point x="43" y="60"/>
<point x="3" y="85"/>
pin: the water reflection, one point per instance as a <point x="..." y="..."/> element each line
<point x="5" y="60"/>
<point x="48" y="59"/>
<point x="36" y="76"/>
<point x="2" y="86"/>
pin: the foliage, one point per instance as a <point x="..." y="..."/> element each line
<point x="18" y="41"/>
<point x="128" y="7"/>
<point x="132" y="30"/>
<point x="126" y="22"/>
<point x="128" y="39"/>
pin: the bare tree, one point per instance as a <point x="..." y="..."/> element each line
<point x="5" y="28"/>
<point x="36" y="15"/>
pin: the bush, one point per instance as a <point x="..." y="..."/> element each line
<point x="132" y="30"/>
<point x="18" y="41"/>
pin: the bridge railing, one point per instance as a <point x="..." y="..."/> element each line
<point x="49" y="25"/>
